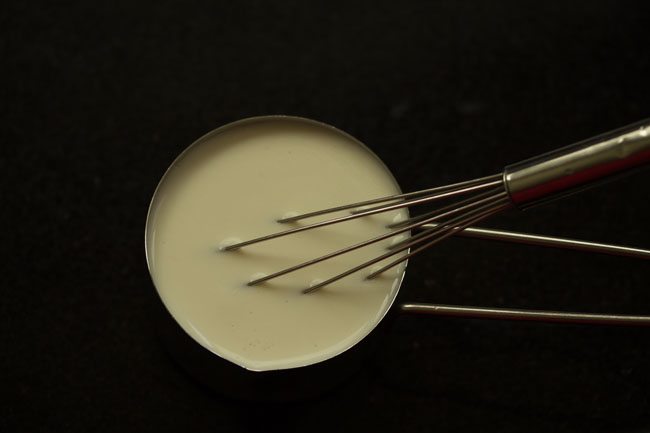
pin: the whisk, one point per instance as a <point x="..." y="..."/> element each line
<point x="521" y="185"/>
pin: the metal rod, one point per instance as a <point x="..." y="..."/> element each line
<point x="443" y="229"/>
<point x="387" y="235"/>
<point x="448" y="231"/>
<point x="372" y="211"/>
<point x="444" y="188"/>
<point x="442" y="210"/>
<point x="439" y="196"/>
<point x="528" y="315"/>
<point x="550" y="241"/>
<point x="430" y="224"/>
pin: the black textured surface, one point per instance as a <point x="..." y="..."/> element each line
<point x="99" y="97"/>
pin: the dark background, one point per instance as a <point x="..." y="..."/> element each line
<point x="99" y="97"/>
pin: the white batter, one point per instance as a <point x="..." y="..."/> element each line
<point x="234" y="184"/>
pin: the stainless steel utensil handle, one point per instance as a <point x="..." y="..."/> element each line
<point x="578" y="166"/>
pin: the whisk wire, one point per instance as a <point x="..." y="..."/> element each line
<point x="451" y="230"/>
<point x="472" y="209"/>
<point x="441" y="195"/>
<point x="439" y="189"/>
<point x="373" y="211"/>
<point x="483" y="212"/>
<point x="432" y="218"/>
<point x="444" y="210"/>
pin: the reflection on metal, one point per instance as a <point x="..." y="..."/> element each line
<point x="528" y="315"/>
<point x="550" y="241"/>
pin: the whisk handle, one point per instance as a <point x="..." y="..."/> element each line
<point x="578" y="166"/>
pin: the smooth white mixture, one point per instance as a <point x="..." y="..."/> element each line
<point x="235" y="184"/>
